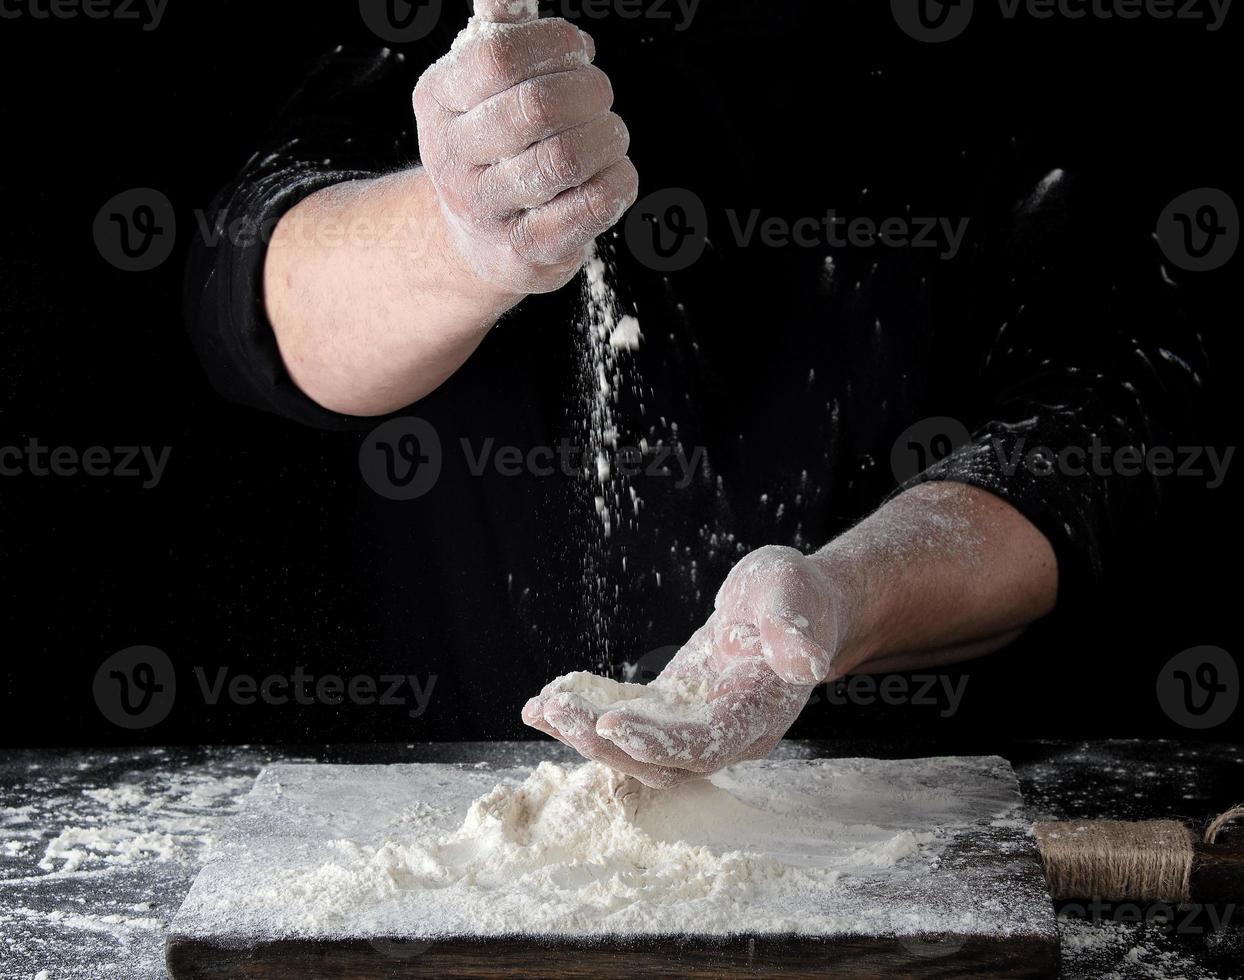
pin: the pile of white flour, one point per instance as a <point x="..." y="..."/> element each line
<point x="664" y="701"/>
<point x="821" y="848"/>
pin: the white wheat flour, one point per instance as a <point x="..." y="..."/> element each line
<point x="669" y="700"/>
<point x="849" y="846"/>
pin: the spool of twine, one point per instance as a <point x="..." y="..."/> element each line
<point x="1116" y="860"/>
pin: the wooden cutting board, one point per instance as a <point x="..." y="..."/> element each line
<point x="972" y="902"/>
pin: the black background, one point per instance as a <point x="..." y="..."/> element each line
<point x="235" y="558"/>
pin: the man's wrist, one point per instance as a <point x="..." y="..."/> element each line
<point x="436" y="246"/>
<point x="855" y="603"/>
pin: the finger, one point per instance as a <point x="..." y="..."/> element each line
<point x="507" y="11"/>
<point x="509" y="123"/>
<point x="761" y="748"/>
<point x="573" y="219"/>
<point x="792" y="654"/>
<point x="733" y="724"/>
<point x="533" y="716"/>
<point x="498" y="59"/>
<point x="576" y="726"/>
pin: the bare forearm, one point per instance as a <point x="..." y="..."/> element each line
<point x="379" y="290"/>
<point x="371" y="307"/>
<point x="945" y="572"/>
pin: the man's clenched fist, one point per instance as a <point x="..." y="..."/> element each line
<point x="517" y="137"/>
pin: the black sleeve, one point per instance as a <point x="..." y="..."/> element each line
<point x="351" y="119"/>
<point x="1083" y="344"/>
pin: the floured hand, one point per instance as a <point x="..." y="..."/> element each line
<point x="517" y="136"/>
<point x="730" y="694"/>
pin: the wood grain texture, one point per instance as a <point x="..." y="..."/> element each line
<point x="856" y="958"/>
<point x="1218" y="873"/>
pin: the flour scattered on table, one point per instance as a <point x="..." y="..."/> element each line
<point x="819" y="848"/>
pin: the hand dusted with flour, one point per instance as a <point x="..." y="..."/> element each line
<point x="516" y="133"/>
<point x="731" y="693"/>
<point x="941" y="573"/>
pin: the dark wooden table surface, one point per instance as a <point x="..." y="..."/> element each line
<point x="98" y="847"/>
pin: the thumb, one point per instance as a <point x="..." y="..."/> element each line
<point x="791" y="653"/>
<point x="507" y="11"/>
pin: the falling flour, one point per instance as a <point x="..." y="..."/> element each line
<point x="606" y="334"/>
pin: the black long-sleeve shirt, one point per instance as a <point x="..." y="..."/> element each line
<point x="795" y="370"/>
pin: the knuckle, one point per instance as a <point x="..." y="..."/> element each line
<point x="522" y="240"/>
<point x="557" y="161"/>
<point x="621" y="136"/>
<point x="497" y="57"/>
<point x="422" y="98"/>
<point x="564" y="36"/>
<point x="535" y="106"/>
<point x="598" y="201"/>
<point x="629" y="185"/>
<point x="603" y="84"/>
